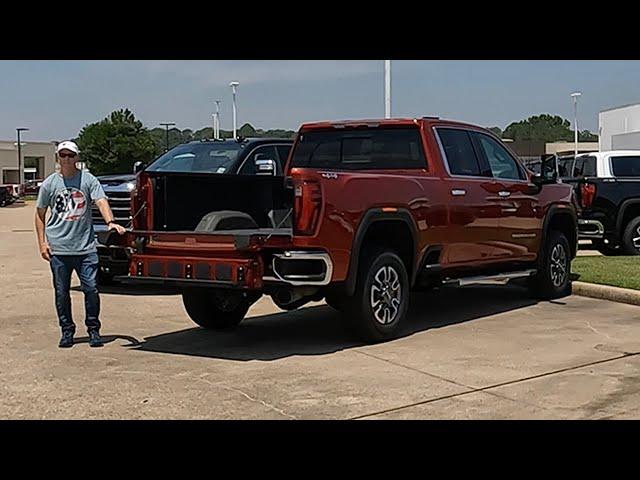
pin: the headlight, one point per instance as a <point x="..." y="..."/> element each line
<point x="131" y="186"/>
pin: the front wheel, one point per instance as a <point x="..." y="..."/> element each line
<point x="381" y="300"/>
<point x="215" y="310"/>
<point x="553" y="278"/>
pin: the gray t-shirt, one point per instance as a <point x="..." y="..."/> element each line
<point x="69" y="230"/>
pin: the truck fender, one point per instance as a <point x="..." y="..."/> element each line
<point x="370" y="217"/>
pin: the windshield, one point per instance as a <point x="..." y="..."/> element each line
<point x="198" y="158"/>
<point x="626" y="166"/>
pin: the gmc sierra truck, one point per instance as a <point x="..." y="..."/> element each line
<point x="367" y="211"/>
<point x="608" y="190"/>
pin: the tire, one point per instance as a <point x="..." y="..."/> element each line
<point x="336" y="301"/>
<point x="374" y="315"/>
<point x="553" y="279"/>
<point x="605" y="249"/>
<point x="215" y="310"/>
<point x="631" y="238"/>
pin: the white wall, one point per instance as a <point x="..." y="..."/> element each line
<point x="623" y="120"/>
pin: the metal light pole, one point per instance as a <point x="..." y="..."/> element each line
<point x="217" y="134"/>
<point x="20" y="169"/>
<point x="387" y="89"/>
<point x="167" y="125"/>
<point x="575" y="96"/>
<point x="233" y="86"/>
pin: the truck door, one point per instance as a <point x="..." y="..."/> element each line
<point x="473" y="214"/>
<point x="520" y="227"/>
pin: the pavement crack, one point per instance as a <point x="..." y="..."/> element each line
<point x="596" y="331"/>
<point x="248" y="397"/>
<point x="497" y="385"/>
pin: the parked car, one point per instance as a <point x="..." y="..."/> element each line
<point x="608" y="190"/>
<point x="6" y="195"/>
<point x="32" y="187"/>
<point x="368" y="211"/>
<point x="261" y="156"/>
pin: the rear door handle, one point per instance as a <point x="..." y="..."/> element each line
<point x="458" y="192"/>
<point x="504" y="193"/>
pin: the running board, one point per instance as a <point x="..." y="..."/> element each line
<point x="500" y="279"/>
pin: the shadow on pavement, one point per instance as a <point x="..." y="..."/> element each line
<point x="133" y="342"/>
<point x="321" y="330"/>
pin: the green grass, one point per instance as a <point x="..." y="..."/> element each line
<point x="616" y="271"/>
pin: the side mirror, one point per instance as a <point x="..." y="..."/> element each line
<point x="548" y="170"/>
<point x="264" y="166"/>
<point x="138" y="167"/>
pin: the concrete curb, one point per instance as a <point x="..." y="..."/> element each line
<point x="606" y="292"/>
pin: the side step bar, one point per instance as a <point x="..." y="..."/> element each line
<point x="500" y="279"/>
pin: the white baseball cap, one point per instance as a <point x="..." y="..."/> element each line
<point x="68" y="145"/>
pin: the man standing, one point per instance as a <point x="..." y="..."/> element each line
<point x="69" y="243"/>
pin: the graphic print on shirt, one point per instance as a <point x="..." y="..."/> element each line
<point x="70" y="204"/>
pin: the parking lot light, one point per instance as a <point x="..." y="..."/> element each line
<point x="167" y="125"/>
<point x="575" y="96"/>
<point x="233" y="86"/>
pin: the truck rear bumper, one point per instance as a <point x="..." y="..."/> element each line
<point x="590" y="229"/>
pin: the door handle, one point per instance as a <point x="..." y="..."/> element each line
<point x="504" y="193"/>
<point x="458" y="192"/>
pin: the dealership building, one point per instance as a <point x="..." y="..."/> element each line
<point x="39" y="160"/>
<point x="619" y="128"/>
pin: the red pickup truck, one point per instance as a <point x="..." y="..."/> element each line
<point x="368" y="211"/>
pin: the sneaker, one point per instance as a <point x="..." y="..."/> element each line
<point x="94" y="339"/>
<point x="67" y="340"/>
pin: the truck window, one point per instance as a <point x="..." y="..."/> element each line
<point x="502" y="164"/>
<point x="458" y="151"/>
<point x="565" y="167"/>
<point x="382" y="148"/>
<point x="198" y="157"/>
<point x="626" y="166"/>
<point x="283" y="152"/>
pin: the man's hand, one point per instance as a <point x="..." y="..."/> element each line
<point x="45" y="251"/>
<point x="118" y="228"/>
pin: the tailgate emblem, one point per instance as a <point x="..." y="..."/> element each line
<point x="190" y="241"/>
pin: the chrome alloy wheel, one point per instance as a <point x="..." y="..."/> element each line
<point x="386" y="295"/>
<point x="559" y="265"/>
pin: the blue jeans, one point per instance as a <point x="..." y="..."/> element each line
<point x="86" y="266"/>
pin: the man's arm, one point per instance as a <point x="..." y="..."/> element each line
<point x="43" y="245"/>
<point x="105" y="211"/>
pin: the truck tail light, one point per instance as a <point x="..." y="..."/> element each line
<point x="587" y="194"/>
<point x="306" y="206"/>
<point x="139" y="196"/>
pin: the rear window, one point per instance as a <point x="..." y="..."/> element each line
<point x="360" y="150"/>
<point x="459" y="152"/>
<point x="626" y="166"/>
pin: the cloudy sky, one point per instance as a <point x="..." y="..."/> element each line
<point x="55" y="99"/>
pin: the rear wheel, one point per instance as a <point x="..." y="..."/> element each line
<point x="215" y="310"/>
<point x="379" y="306"/>
<point x="631" y="238"/>
<point x="553" y="278"/>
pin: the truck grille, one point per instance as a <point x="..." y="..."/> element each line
<point x="120" y="203"/>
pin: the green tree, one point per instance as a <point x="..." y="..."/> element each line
<point x="587" y="136"/>
<point x="545" y="127"/>
<point x="496" y="130"/>
<point x="114" y="144"/>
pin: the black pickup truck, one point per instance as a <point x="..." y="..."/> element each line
<point x="610" y="206"/>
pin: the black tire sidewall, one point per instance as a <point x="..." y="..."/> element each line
<point x="627" y="237"/>
<point x="361" y="312"/>
<point x="202" y="309"/>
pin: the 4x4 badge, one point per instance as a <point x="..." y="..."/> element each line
<point x="330" y="175"/>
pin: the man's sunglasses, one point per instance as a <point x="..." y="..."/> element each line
<point x="66" y="155"/>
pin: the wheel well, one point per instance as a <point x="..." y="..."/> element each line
<point x="565" y="223"/>
<point x="631" y="212"/>
<point x="393" y="234"/>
